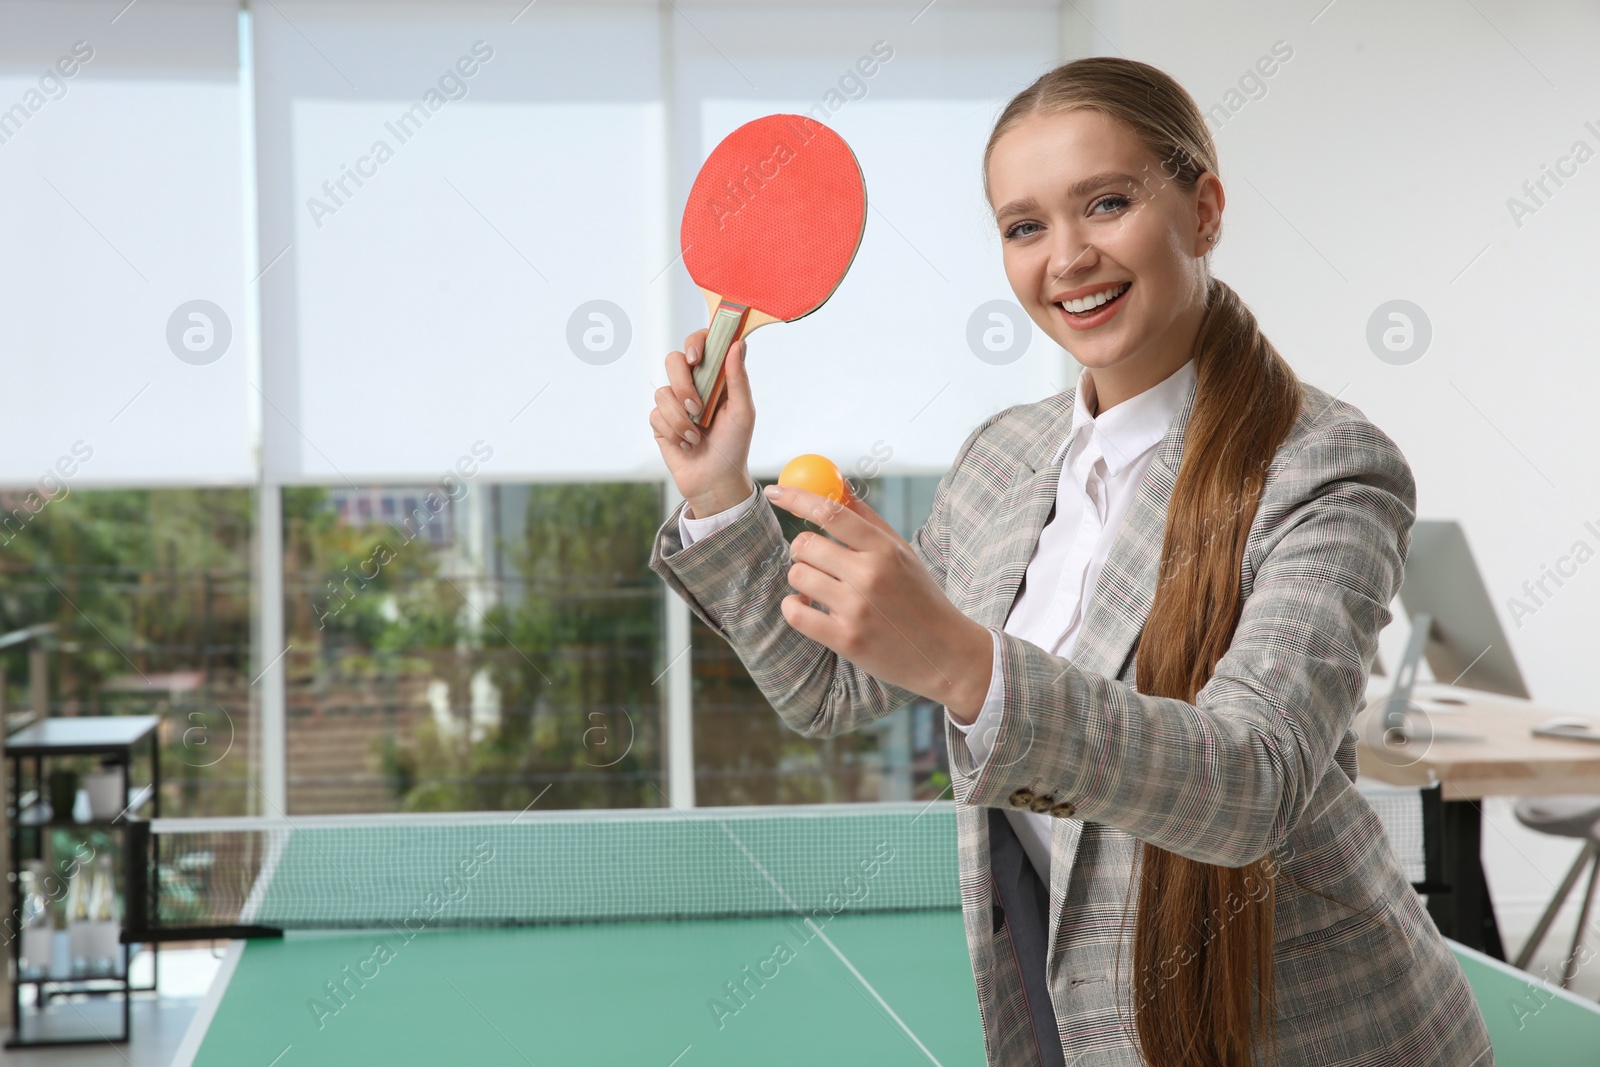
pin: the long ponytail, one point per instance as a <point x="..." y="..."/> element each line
<point x="1220" y="918"/>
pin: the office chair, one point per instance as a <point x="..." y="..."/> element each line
<point x="1564" y="816"/>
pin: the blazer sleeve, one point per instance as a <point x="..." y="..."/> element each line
<point x="734" y="581"/>
<point x="1225" y="779"/>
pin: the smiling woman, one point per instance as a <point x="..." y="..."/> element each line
<point x="1149" y="605"/>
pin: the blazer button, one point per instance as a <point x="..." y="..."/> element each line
<point x="1041" y="804"/>
<point x="1063" y="810"/>
<point x="1022" y="798"/>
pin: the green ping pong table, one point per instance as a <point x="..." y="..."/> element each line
<point x="1532" y="1022"/>
<point x="827" y="933"/>
<point x="889" y="989"/>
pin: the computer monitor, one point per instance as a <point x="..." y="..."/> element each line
<point x="1465" y="645"/>
<point x="1453" y="627"/>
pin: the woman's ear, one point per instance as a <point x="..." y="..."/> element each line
<point x="1210" y="200"/>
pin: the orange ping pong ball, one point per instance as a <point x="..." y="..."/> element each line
<point x="815" y="474"/>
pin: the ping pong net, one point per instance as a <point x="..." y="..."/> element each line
<point x="192" y="879"/>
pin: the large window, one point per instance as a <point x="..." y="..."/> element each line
<point x="482" y="650"/>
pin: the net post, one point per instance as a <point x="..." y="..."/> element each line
<point x="136" y="873"/>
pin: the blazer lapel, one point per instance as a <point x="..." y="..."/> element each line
<point x="1116" y="610"/>
<point x="1114" y="616"/>
<point x="1022" y="515"/>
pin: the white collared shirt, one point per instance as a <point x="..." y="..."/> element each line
<point x="1107" y="458"/>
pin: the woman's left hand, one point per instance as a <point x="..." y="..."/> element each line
<point x="886" y="614"/>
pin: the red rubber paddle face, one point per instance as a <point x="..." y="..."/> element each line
<point x="775" y="216"/>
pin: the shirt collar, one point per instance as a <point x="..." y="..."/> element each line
<point x="1134" y="426"/>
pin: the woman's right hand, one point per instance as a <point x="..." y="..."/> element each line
<point x="707" y="465"/>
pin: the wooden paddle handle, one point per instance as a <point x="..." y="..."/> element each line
<point x="710" y="374"/>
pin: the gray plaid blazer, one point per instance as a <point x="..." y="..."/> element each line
<point x="1263" y="763"/>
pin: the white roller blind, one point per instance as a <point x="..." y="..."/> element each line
<point x="450" y="192"/>
<point x="120" y="168"/>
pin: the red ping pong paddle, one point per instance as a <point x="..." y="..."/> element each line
<point x="773" y="222"/>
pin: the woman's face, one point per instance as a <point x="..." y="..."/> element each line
<point x="1084" y="209"/>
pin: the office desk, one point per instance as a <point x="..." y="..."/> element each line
<point x="1509" y="762"/>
